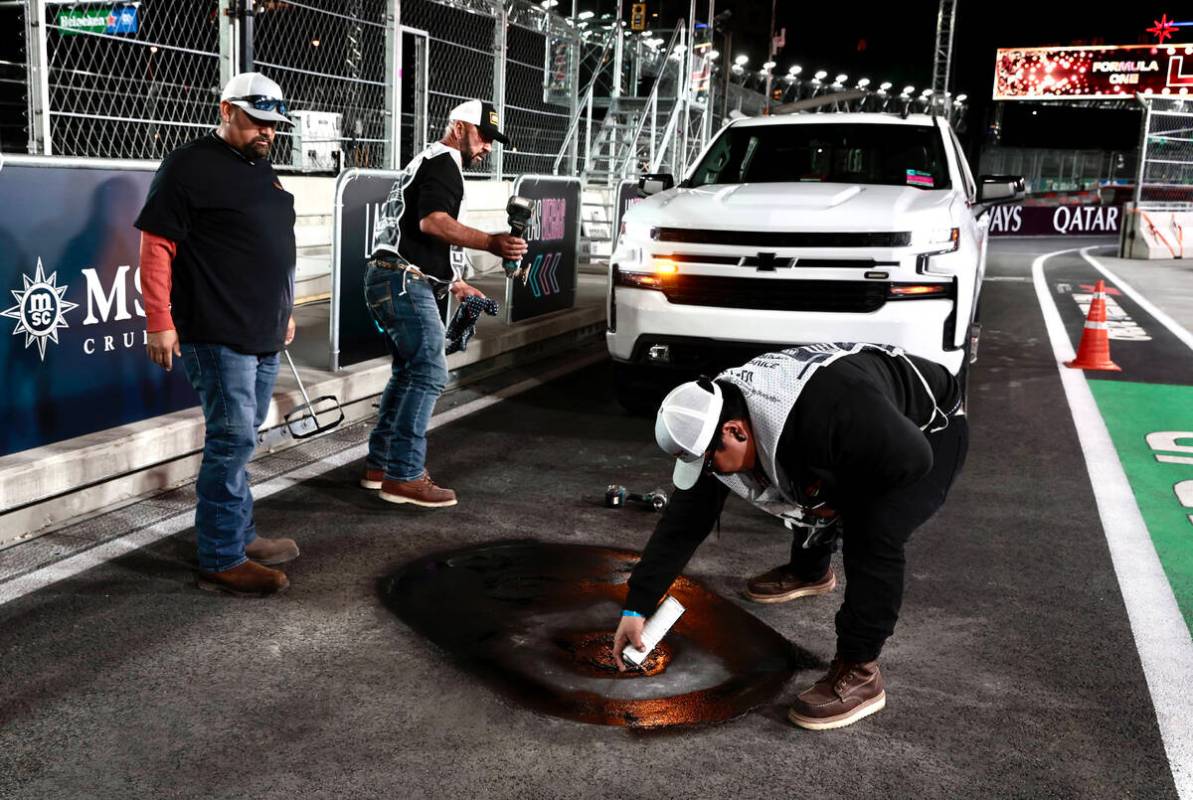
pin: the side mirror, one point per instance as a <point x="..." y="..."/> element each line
<point x="1000" y="188"/>
<point x="655" y="183"/>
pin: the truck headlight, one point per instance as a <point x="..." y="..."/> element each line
<point x="940" y="240"/>
<point x="633" y="250"/>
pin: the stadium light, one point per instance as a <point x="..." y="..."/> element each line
<point x="821" y="75"/>
<point x="549" y="3"/>
<point x="961" y="98"/>
<point x="884" y="86"/>
<point x="841" y="78"/>
<point x="908" y="89"/>
<point x="585" y="15"/>
<point x="713" y="55"/>
<point x="741" y="60"/>
<point x="794" y="69"/>
<point x="926" y="93"/>
<point x="768" y="66"/>
<point x="863" y="83"/>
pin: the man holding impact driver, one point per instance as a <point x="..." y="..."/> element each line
<point x="853" y="441"/>
<point x="416" y="260"/>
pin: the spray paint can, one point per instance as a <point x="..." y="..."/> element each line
<point x="654" y="630"/>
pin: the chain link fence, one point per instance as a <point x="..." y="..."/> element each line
<point x="330" y="57"/>
<point x="14" y="81"/>
<point x="1166" y="155"/>
<point x="131" y="81"/>
<point x="452" y="48"/>
<point x="540" y="87"/>
<point x="1052" y="170"/>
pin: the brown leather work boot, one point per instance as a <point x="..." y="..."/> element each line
<point x="420" y="491"/>
<point x="372" y="478"/>
<point x="249" y="579"/>
<point x="271" y="551"/>
<point x="846" y="693"/>
<point x="780" y="585"/>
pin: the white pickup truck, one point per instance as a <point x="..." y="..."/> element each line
<point x="797" y="229"/>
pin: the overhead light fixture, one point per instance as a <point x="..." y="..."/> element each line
<point x="863" y="83"/>
<point x="769" y="65"/>
<point x="794" y="69"/>
<point x="713" y="55"/>
<point x="884" y="86"/>
<point x="741" y="60"/>
<point x="926" y="93"/>
<point x="908" y="89"/>
<point x="841" y="78"/>
<point x="585" y="15"/>
<point x="961" y="98"/>
<point x="821" y="75"/>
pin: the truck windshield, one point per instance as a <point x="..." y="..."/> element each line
<point x="888" y="155"/>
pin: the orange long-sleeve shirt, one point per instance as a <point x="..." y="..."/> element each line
<point x="157" y="278"/>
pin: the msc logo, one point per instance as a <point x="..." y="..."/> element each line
<point x="40" y="309"/>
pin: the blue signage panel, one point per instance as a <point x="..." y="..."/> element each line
<point x="72" y="327"/>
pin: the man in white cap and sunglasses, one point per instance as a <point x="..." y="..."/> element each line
<point x="853" y="441"/>
<point x="217" y="276"/>
<point x="417" y="259"/>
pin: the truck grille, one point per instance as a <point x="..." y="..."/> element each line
<point x="846" y="297"/>
<point x="785" y="238"/>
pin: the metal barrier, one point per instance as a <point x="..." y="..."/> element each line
<point x="1165" y="155"/>
<point x="1054" y="170"/>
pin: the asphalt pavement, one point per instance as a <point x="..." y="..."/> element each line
<point x="1013" y="672"/>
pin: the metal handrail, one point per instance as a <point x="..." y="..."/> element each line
<point x="652" y="102"/>
<point x="585" y="103"/>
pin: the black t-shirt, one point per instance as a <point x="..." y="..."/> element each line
<point x="233" y="275"/>
<point x="430" y="182"/>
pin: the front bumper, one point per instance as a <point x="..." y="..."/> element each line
<point x="645" y="317"/>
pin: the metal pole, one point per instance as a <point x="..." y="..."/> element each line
<point x="228" y="47"/>
<point x="706" y="130"/>
<point x="245" y="16"/>
<point x="771" y="56"/>
<point x="577" y="51"/>
<point x="689" y="60"/>
<point x="393" y="83"/>
<point x="1147" y="124"/>
<point x="38" y="103"/>
<point x="499" y="48"/>
<point x="617" y="53"/>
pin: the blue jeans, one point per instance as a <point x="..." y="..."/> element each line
<point x="234" y="391"/>
<point x="415" y="337"/>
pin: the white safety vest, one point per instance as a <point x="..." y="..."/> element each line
<point x="771" y="384"/>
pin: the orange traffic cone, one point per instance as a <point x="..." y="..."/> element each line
<point x="1094" y="350"/>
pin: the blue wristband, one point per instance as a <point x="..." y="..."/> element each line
<point x="628" y="613"/>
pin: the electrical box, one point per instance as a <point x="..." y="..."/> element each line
<point x="316" y="140"/>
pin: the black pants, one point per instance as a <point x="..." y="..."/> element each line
<point x="874" y="536"/>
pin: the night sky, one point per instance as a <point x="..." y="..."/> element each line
<point x="894" y="42"/>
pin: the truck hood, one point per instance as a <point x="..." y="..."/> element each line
<point x="792" y="207"/>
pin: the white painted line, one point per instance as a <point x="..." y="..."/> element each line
<point x="1168" y="322"/>
<point x="1006" y="278"/>
<point x="1161" y="635"/>
<point x="115" y="548"/>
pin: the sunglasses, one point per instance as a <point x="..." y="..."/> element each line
<point x="263" y="103"/>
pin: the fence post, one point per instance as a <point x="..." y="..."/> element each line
<point x="393" y="83"/>
<point x="40" y="141"/>
<point x="574" y="104"/>
<point x="499" y="65"/>
<point x="228" y="48"/>
<point x="1147" y="125"/>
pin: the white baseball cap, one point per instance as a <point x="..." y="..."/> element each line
<point x="481" y="114"/>
<point x="685" y="425"/>
<point x="259" y="97"/>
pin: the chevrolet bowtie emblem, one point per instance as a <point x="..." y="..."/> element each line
<point x="766" y="262"/>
